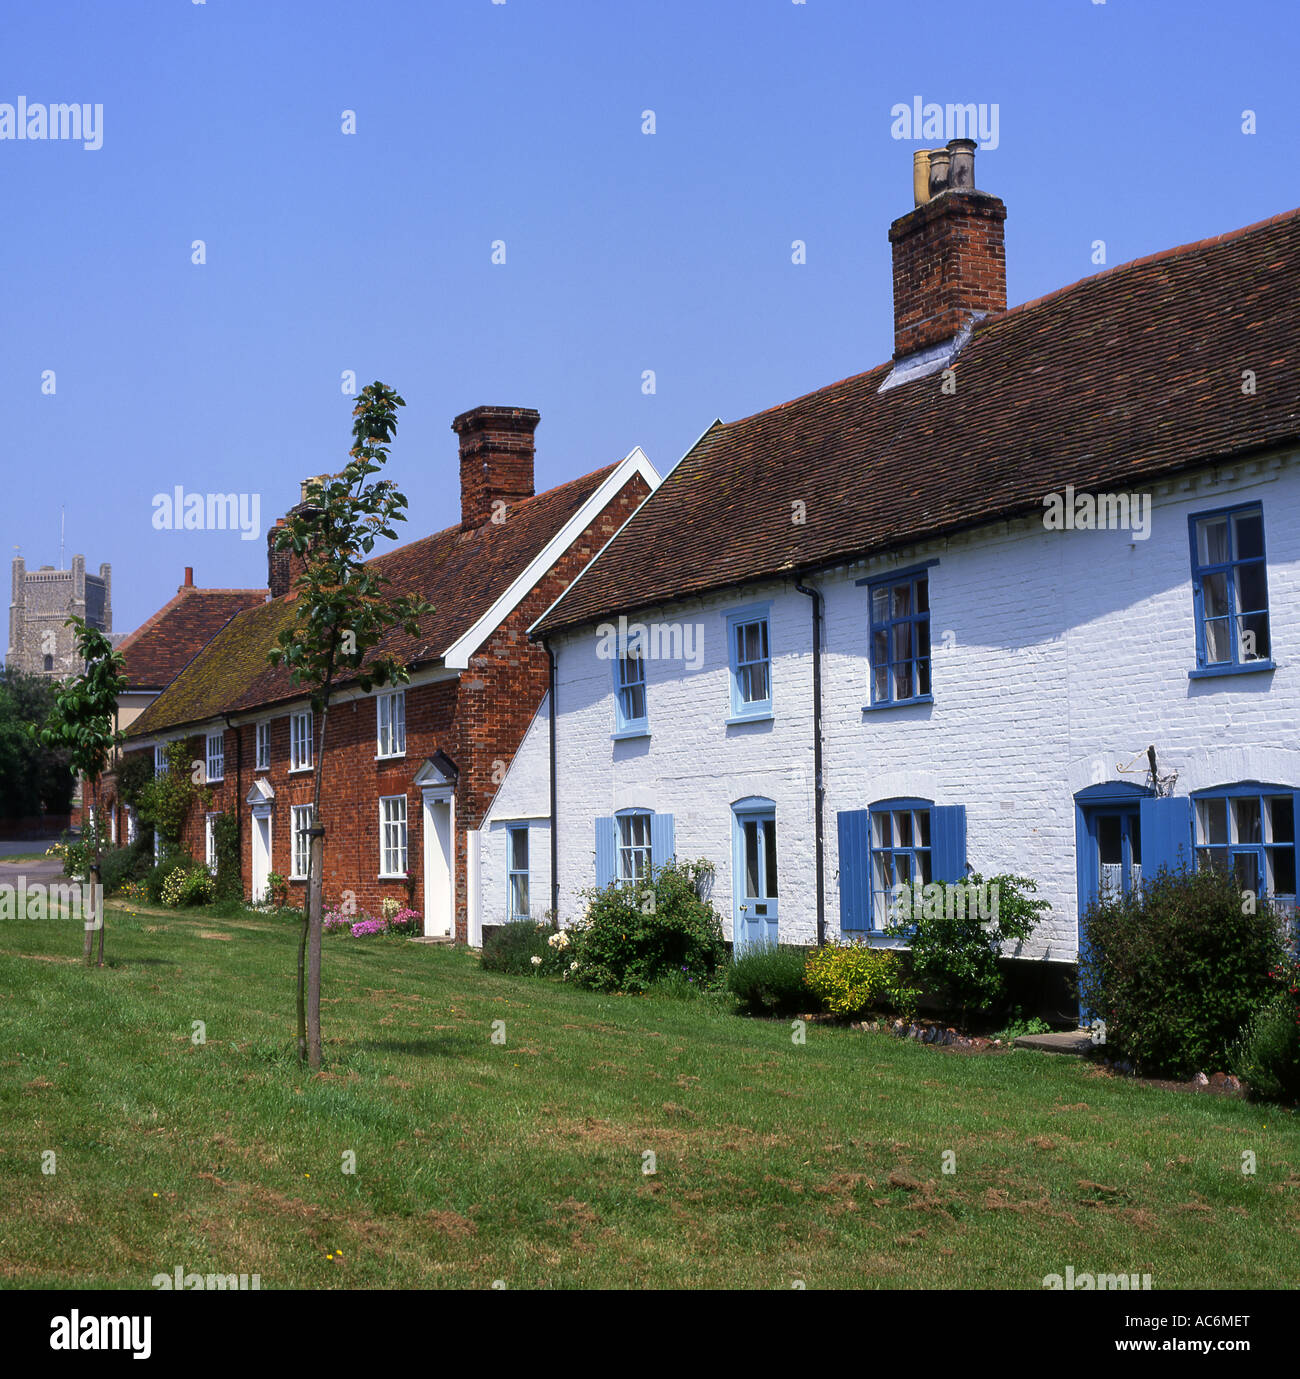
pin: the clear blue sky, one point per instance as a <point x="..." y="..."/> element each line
<point x="522" y="122"/>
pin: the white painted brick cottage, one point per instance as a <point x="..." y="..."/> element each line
<point x="1022" y="600"/>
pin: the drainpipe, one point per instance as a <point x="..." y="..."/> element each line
<point x="555" y="833"/>
<point x="819" y="790"/>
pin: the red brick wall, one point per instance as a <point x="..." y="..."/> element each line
<point x="949" y="261"/>
<point x="477" y="719"/>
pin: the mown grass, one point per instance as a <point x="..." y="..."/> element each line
<point x="523" y="1162"/>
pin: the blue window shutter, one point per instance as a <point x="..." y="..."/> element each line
<point x="606" y="852"/>
<point x="661" y="839"/>
<point x="948" y="842"/>
<point x="1166" y="833"/>
<point x="855" y="869"/>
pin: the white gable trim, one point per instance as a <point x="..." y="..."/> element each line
<point x="547" y="612"/>
<point x="458" y="653"/>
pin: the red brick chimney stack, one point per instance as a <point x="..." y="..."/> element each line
<point x="949" y="255"/>
<point x="496" y="461"/>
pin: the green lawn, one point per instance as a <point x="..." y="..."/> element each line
<point x="523" y="1162"/>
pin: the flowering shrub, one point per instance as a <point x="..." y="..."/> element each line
<point x="369" y="926"/>
<point x="634" y="935"/>
<point x="389" y="906"/>
<point x="1267" y="1056"/>
<point x="403" y="921"/>
<point x="849" y="977"/>
<point x="188" y="886"/>
<point x="513" y="946"/>
<point x="335" y="921"/>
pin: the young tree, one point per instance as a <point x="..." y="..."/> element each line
<point x="83" y="722"/>
<point x="342" y="613"/>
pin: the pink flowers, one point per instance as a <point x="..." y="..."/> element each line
<point x="369" y="926"/>
<point x="395" y="921"/>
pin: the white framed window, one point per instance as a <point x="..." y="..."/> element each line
<point x="300" y="741"/>
<point x="159" y="760"/>
<point x="301" y="822"/>
<point x="216" y="756"/>
<point x="112" y="826"/>
<point x="132" y="828"/>
<point x="392" y="835"/>
<point x="517" y="870"/>
<point x="263" y="746"/>
<point x="390" y="712"/>
<point x="210" y="842"/>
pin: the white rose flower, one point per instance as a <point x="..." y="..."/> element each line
<point x="535" y="960"/>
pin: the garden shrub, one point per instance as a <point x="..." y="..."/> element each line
<point x="117" y="866"/>
<point x="769" y="980"/>
<point x="633" y="935"/>
<point x="848" y="977"/>
<point x="513" y="946"/>
<point x="1177" y="968"/>
<point x="188" y="886"/>
<point x="1267" y="1056"/>
<point x="955" y="932"/>
<point x="156" y="877"/>
<point x="225" y="838"/>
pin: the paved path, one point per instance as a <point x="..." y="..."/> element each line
<point x="1063" y="1041"/>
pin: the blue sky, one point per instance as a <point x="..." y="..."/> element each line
<point x="625" y="252"/>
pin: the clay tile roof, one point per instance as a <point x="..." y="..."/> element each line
<point x="1112" y="382"/>
<point x="461" y="573"/>
<point x="159" y="649"/>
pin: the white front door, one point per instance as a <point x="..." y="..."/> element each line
<point x="438" y="870"/>
<point x="261" y="855"/>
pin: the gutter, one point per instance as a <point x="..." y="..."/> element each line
<point x="819" y="789"/>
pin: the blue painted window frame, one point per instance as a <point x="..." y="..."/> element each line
<point x="625" y="724"/>
<point x="1261" y="851"/>
<point x="916" y="854"/>
<point x="632" y="846"/>
<point x="743" y="710"/>
<point x="918" y="621"/>
<point x="1235" y="665"/>
<point x="515" y="872"/>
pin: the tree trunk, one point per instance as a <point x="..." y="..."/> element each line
<point x="315" y="899"/>
<point x="96" y="878"/>
<point x="309" y="943"/>
<point x="88" y="881"/>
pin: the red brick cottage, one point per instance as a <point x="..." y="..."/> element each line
<point x="153" y="655"/>
<point x="410" y="772"/>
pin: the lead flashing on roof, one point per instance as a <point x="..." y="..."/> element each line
<point x="923" y="363"/>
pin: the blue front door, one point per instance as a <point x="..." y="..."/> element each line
<point x="754" y="892"/>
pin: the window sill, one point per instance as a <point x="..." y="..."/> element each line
<point x="1213" y="672"/>
<point x="627" y="734"/>
<point x="898" y="703"/>
<point x="393" y="876"/>
<point x="256" y="769"/>
<point x="215" y="780"/>
<point x="392" y="756"/>
<point x="763" y="716"/>
<point x="300" y="770"/>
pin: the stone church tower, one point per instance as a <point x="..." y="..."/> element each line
<point x="42" y="602"/>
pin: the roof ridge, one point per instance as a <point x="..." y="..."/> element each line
<point x="1177" y="251"/>
<point x="1190" y="248"/>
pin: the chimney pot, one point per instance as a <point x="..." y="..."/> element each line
<point x="939" y="160"/>
<point x="921" y="176"/>
<point x="189" y="576"/>
<point x="961" y="165"/>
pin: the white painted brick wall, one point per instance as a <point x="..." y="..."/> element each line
<point x="1068" y="655"/>
<point x="524" y="797"/>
